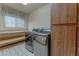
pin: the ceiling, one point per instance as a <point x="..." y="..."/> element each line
<point x="25" y="8"/>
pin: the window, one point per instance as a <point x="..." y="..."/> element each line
<point x="13" y="18"/>
<point x="14" y="22"/>
<point x="9" y="21"/>
<point x="19" y="22"/>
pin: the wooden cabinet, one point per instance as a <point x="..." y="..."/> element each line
<point x="64" y="29"/>
<point x="78" y="13"/>
<point x="77" y="47"/>
<point x="63" y="13"/>
<point x="63" y="40"/>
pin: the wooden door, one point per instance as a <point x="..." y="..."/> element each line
<point x="63" y="13"/>
<point x="77" y="41"/>
<point x="63" y="40"/>
<point x="78" y="14"/>
<point x="78" y="32"/>
<point x="63" y="29"/>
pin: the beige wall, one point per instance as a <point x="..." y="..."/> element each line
<point x="40" y="18"/>
<point x="4" y="29"/>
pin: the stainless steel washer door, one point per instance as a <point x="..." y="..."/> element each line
<point x="40" y="46"/>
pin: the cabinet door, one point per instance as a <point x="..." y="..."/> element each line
<point x="63" y="13"/>
<point x="63" y="40"/>
<point x="78" y="13"/>
<point x="78" y="34"/>
<point x="77" y="41"/>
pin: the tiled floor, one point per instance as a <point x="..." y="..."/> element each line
<point x="15" y="50"/>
